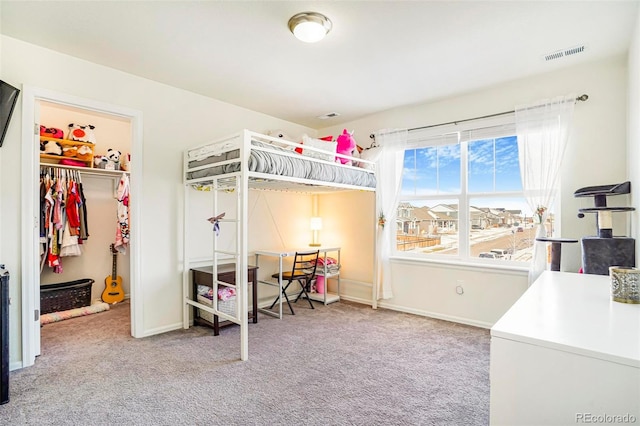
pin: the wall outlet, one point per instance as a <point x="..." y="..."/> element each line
<point x="459" y="287"/>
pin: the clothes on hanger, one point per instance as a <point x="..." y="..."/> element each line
<point x="62" y="212"/>
<point x="122" y="226"/>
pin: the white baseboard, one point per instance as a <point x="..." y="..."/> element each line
<point x="450" y="318"/>
<point x="160" y="330"/>
<point x="356" y="299"/>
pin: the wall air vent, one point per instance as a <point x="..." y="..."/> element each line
<point x="328" y="115"/>
<point x="565" y="52"/>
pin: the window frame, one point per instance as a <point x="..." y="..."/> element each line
<point x="494" y="127"/>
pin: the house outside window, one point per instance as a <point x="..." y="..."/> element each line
<point x="462" y="198"/>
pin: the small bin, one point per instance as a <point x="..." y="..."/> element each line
<point x="64" y="296"/>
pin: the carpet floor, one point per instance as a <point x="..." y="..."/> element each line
<point x="341" y="364"/>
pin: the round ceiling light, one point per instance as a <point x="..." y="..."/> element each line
<point x="309" y="27"/>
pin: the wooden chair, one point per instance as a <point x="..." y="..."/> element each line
<point x="303" y="271"/>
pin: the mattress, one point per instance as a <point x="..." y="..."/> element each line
<point x="289" y="164"/>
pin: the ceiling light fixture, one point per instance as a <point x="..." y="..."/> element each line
<point x="309" y="27"/>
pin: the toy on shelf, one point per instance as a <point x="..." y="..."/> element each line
<point x="81" y="133"/>
<point x="51" y="132"/>
<point x="50" y="147"/>
<point x="111" y="161"/>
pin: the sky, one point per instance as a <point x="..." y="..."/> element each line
<point x="492" y="167"/>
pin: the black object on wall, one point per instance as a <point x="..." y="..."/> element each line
<point x="601" y="252"/>
<point x="4" y="335"/>
<point x="8" y="99"/>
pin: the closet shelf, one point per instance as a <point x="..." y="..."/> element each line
<point x="88" y="171"/>
<point x="65" y="144"/>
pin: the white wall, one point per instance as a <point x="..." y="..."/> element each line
<point x="347" y="221"/>
<point x="596" y="155"/>
<point x="633" y="137"/>
<point x="173" y="119"/>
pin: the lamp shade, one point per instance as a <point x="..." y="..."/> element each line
<point x="309" y="27"/>
<point x="316" y="224"/>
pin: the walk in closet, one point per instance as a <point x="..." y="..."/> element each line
<point x="94" y="257"/>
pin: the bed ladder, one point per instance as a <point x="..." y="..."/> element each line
<point x="236" y="184"/>
<point x="238" y="258"/>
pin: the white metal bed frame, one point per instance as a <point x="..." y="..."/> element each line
<point x="240" y="182"/>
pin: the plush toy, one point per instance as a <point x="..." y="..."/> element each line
<point x="70" y="151"/>
<point x="280" y="134"/>
<point x="84" y="153"/>
<point x="113" y="159"/>
<point x="371" y="154"/>
<point x="51" y="148"/>
<point x="100" y="161"/>
<point x="51" y="132"/>
<point x="125" y="160"/>
<point x="346" y="145"/>
<point x="82" y="133"/>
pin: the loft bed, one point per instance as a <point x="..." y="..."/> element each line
<point x="272" y="160"/>
<point x="250" y="160"/>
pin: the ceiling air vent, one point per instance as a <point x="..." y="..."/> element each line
<point x="565" y="52"/>
<point x="328" y="115"/>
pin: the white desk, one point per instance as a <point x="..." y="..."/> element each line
<point x="326" y="298"/>
<point x="565" y="351"/>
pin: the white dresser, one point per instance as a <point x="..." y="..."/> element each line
<point x="565" y="354"/>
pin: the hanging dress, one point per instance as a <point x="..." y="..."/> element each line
<point x="122" y="226"/>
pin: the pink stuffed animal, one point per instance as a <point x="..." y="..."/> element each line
<point x="346" y="145"/>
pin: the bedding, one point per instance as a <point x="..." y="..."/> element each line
<point x="270" y="159"/>
<point x="328" y="146"/>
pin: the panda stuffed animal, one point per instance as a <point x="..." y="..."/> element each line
<point x="112" y="159"/>
<point x="50" y="147"/>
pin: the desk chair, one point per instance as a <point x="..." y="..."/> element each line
<point x="303" y="271"/>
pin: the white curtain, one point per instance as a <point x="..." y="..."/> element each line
<point x="543" y="131"/>
<point x="389" y="178"/>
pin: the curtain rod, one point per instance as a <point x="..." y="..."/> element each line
<point x="581" y="98"/>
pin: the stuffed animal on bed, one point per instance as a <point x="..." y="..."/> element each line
<point x="372" y="153"/>
<point x="280" y="134"/>
<point x="82" y="133"/>
<point x="346" y="145"/>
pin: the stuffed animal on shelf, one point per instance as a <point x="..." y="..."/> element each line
<point x="82" y="133"/>
<point x="125" y="161"/>
<point x="113" y="159"/>
<point x="70" y="151"/>
<point x="84" y="153"/>
<point x="51" y="132"/>
<point x="51" y="148"/>
<point x="346" y="145"/>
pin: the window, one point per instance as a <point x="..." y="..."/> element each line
<point x="462" y="197"/>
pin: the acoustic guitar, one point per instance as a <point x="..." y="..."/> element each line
<point x="113" y="292"/>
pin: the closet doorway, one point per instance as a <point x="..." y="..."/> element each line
<point x="117" y="128"/>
